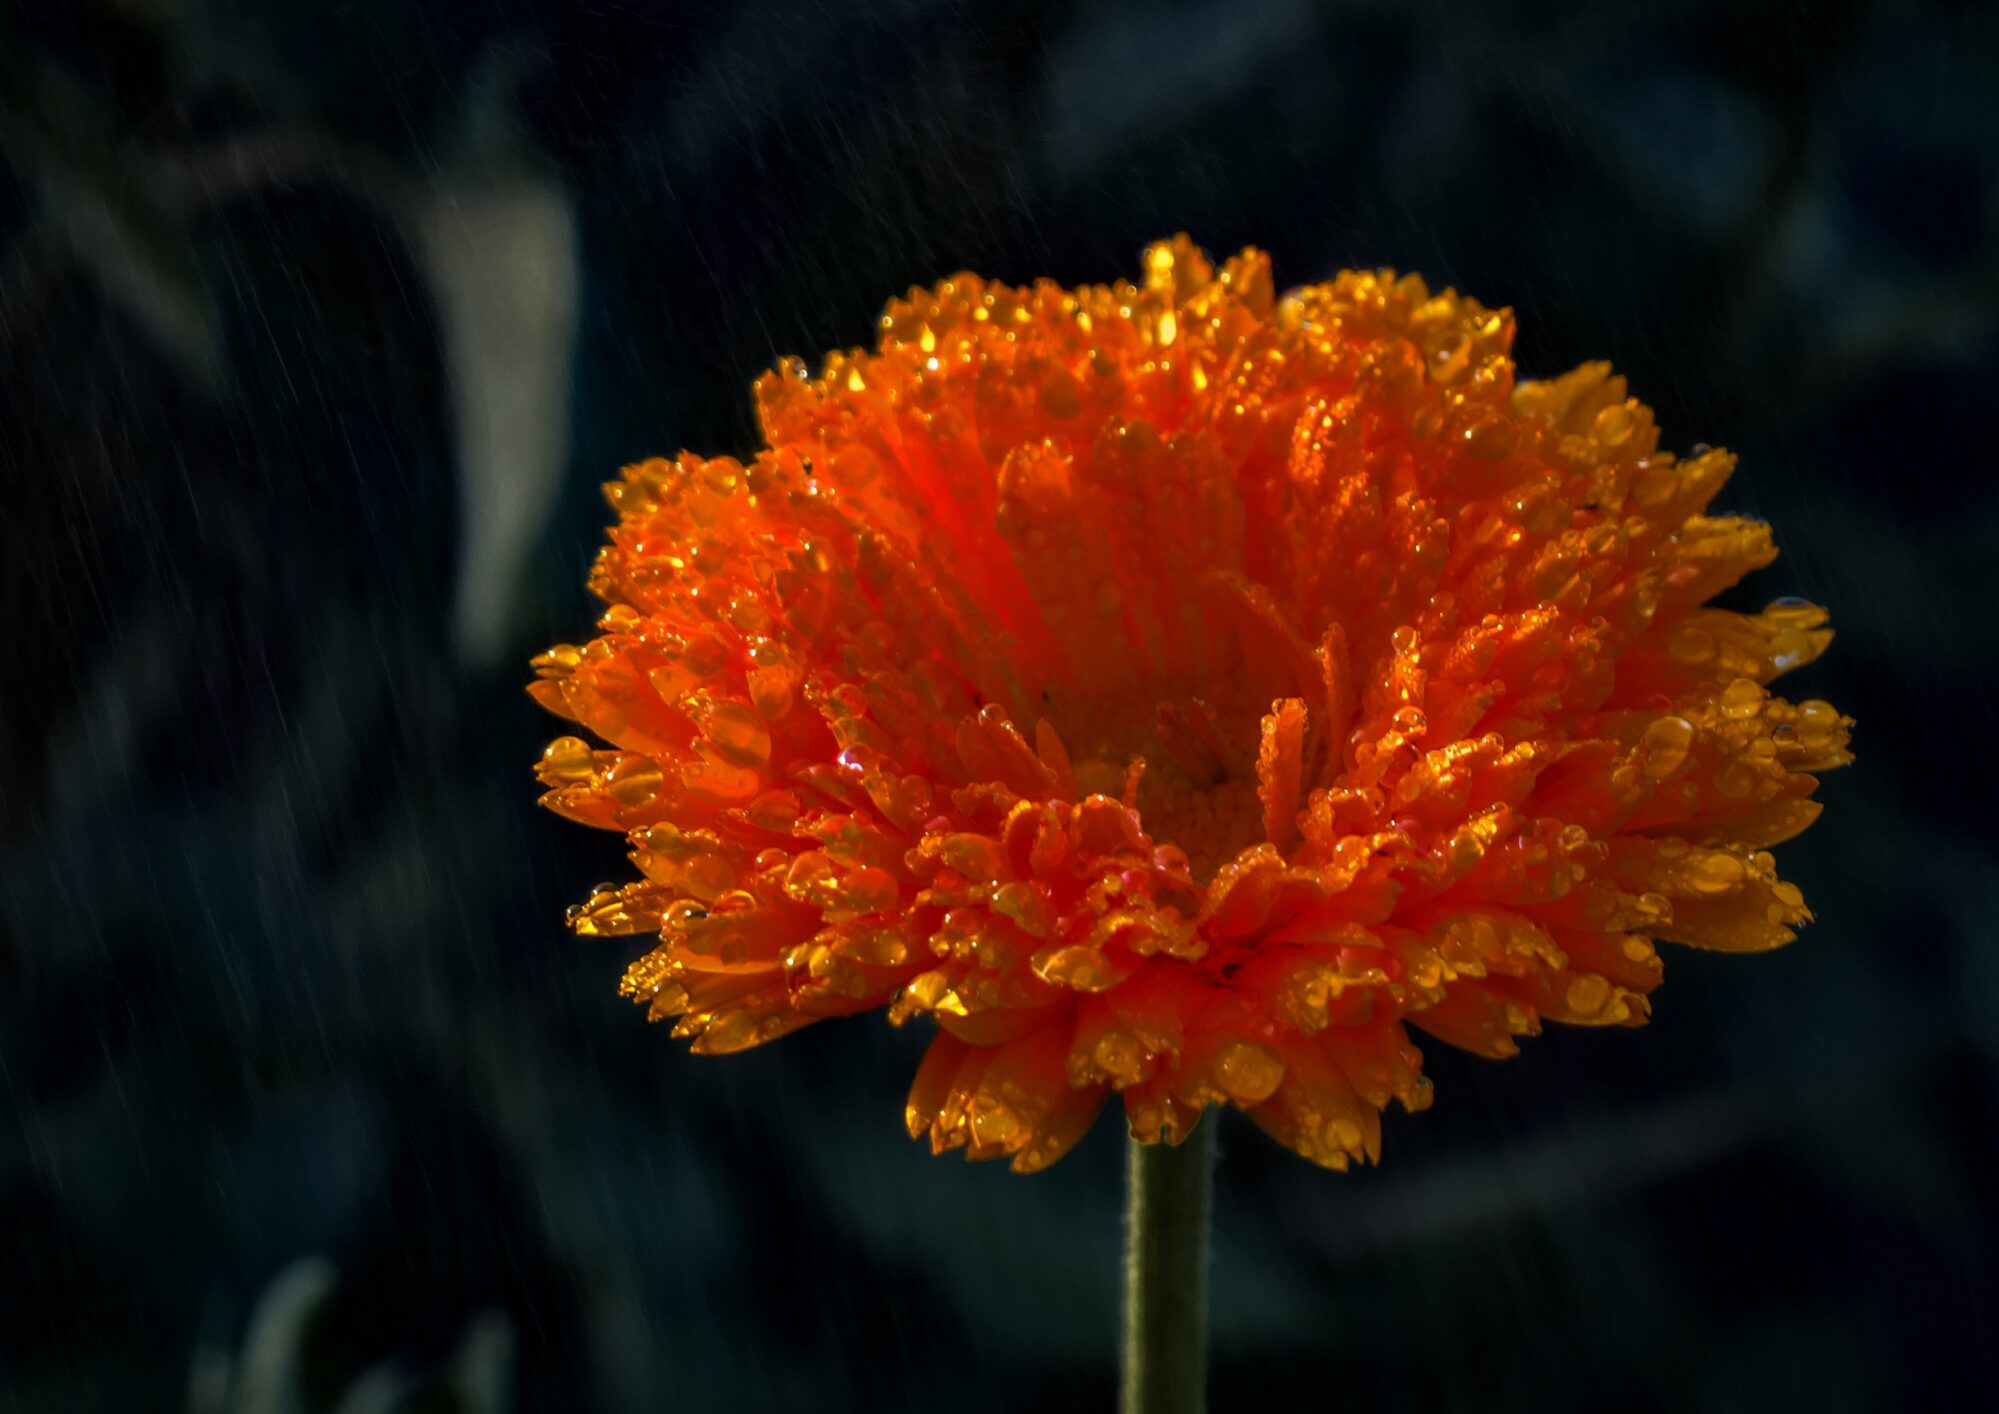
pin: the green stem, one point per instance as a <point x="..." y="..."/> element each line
<point x="1168" y="1193"/>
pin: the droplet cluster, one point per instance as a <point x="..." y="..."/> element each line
<point x="1174" y="691"/>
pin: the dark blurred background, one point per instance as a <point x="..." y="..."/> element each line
<point x="320" y="325"/>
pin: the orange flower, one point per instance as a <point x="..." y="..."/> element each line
<point x="1173" y="690"/>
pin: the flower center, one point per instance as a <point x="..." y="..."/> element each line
<point x="1197" y="790"/>
<point x="1211" y="823"/>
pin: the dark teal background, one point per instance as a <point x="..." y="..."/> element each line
<point x="281" y="966"/>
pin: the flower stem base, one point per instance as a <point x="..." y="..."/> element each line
<point x="1168" y="1194"/>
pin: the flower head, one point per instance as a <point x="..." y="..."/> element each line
<point x="1177" y="691"/>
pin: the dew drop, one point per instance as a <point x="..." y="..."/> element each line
<point x="1248" y="1072"/>
<point x="771" y="692"/>
<point x="1401" y="364"/>
<point x="568" y="758"/>
<point x="1793" y="612"/>
<point x="994" y="1121"/>
<point x="559" y="661"/>
<point x="1665" y="746"/>
<point x="810" y="879"/>
<point x="682" y="912"/>
<point x="1119" y="1055"/>
<point x="707" y="876"/>
<point x="731" y="1031"/>
<point x="1614" y="425"/>
<point x="1789" y="647"/>
<point x="1025" y="905"/>
<point x="1448" y="364"/>
<point x="705" y="655"/>
<point x="737" y="733"/>
<point x="1716" y="874"/>
<point x="1491" y="437"/>
<point x="1587" y="994"/>
<point x="1741" y="699"/>
<point x="1077" y="967"/>
<point x="869" y="890"/>
<point x="635" y="780"/>
<point x="1482" y="936"/>
<point x="1817" y="719"/>
<point x="977" y="857"/>
<point x="774" y="810"/>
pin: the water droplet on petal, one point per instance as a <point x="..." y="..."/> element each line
<point x="1079" y="967"/>
<point x="993" y="1120"/>
<point x="1665" y="746"/>
<point x="1587" y="993"/>
<point x="1793" y="612"/>
<point x="774" y="810"/>
<point x="635" y="780"/>
<point x="1741" y="699"/>
<point x="1248" y="1072"/>
<point x="869" y="890"/>
<point x="1717" y="874"/>
<point x="977" y="857"/>
<point x="567" y="759"/>
<point x="731" y="1031"/>
<point x="1817" y="720"/>
<point x="771" y="692"/>
<point x="1490" y="437"/>
<point x="1119" y="1055"/>
<point x="1614" y="425"/>
<point x="737" y="733"/>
